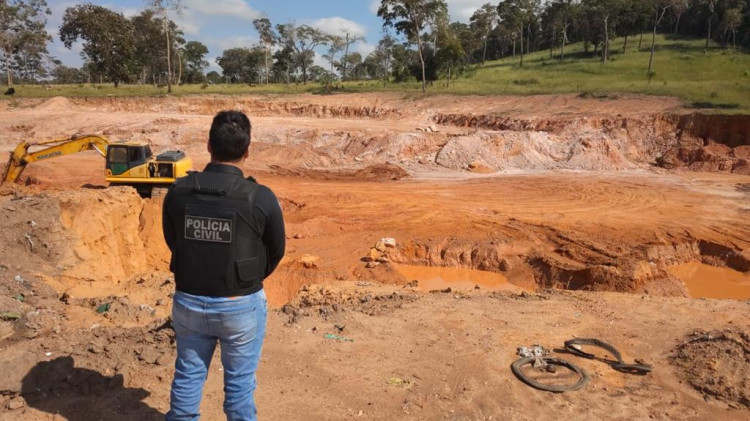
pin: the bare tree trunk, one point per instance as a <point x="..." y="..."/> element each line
<point x="346" y="54"/>
<point x="605" y="47"/>
<point x="708" y="35"/>
<point x="169" y="54"/>
<point x="640" y="41"/>
<point x="267" y="70"/>
<point x="484" y="51"/>
<point x="564" y="38"/>
<point x="421" y="60"/>
<point x="677" y="24"/>
<point x="522" y="42"/>
<point x="514" y="48"/>
<point x="625" y="45"/>
<point x="9" y="73"/>
<point x="179" y="75"/>
<point x="653" y="48"/>
<point x="528" y="41"/>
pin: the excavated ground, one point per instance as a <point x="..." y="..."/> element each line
<point x="549" y="193"/>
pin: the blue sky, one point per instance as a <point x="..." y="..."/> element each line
<point x="222" y="24"/>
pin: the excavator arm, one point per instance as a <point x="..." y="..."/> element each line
<point x="21" y="157"/>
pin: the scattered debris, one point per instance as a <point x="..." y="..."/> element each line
<point x="717" y="364"/>
<point x="338" y="338"/>
<point x="309" y="261"/>
<point x="31" y="242"/>
<point x="398" y="382"/>
<point x="9" y="315"/>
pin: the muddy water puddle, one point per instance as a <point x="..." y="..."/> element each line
<point x="437" y="278"/>
<point x="704" y="281"/>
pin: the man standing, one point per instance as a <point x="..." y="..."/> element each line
<point x="226" y="234"/>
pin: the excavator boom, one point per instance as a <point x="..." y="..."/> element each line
<point x="20" y="157"/>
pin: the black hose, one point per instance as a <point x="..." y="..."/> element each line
<point x="618" y="365"/>
<point x="517" y="366"/>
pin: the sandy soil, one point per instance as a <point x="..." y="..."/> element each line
<point x="551" y="193"/>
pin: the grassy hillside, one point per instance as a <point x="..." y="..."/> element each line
<point x="720" y="79"/>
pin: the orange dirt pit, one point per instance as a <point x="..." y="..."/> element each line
<point x="532" y="194"/>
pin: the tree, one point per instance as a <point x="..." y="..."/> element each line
<point x="241" y="65"/>
<point x="560" y="14"/>
<point x="213" y="77"/>
<point x="161" y="7"/>
<point x="66" y="75"/>
<point x="484" y="20"/>
<point x="194" y="61"/>
<point x="284" y="64"/>
<point x="335" y="47"/>
<point x="268" y="39"/>
<point x="353" y="62"/>
<point x="710" y="7"/>
<point x="602" y="10"/>
<point x="679" y="7"/>
<point x="108" y="42"/>
<point x="147" y="33"/>
<point x="519" y="14"/>
<point x="450" y="52"/>
<point x="303" y="40"/>
<point x="658" y="9"/>
<point x="29" y="61"/>
<point x="349" y="40"/>
<point x="383" y="54"/>
<point x="632" y="18"/>
<point x="731" y="21"/>
<point x="22" y="30"/>
<point x="410" y="17"/>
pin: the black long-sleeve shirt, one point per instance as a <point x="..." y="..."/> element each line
<point x="267" y="219"/>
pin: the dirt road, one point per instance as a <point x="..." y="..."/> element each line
<point x="545" y="192"/>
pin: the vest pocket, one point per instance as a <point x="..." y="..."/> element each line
<point x="248" y="271"/>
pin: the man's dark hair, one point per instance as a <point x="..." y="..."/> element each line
<point x="229" y="136"/>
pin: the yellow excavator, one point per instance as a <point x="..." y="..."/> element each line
<point x="129" y="164"/>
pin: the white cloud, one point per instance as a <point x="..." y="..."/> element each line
<point x="236" y="8"/>
<point x="461" y="10"/>
<point x="218" y="45"/>
<point x="364" y="48"/>
<point x="374" y="6"/>
<point x="339" y="26"/>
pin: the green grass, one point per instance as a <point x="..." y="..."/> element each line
<point x="719" y="80"/>
<point x="682" y="69"/>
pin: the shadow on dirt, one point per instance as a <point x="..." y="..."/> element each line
<point x="58" y="387"/>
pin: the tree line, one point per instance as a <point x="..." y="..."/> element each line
<point x="419" y="41"/>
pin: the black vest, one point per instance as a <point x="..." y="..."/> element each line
<point x="218" y="249"/>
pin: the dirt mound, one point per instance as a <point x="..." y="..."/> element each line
<point x="718" y="364"/>
<point x="56" y="104"/>
<point x="95" y="235"/>
<point x="256" y="106"/>
<point x="385" y="171"/>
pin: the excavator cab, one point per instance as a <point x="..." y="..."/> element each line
<point x="121" y="158"/>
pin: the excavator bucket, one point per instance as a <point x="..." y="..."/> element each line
<point x="7" y="175"/>
<point x="15" y="165"/>
<point x="6" y="170"/>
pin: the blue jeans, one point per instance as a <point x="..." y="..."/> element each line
<point x="239" y="325"/>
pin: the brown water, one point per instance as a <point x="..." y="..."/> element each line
<point x="435" y="278"/>
<point x="704" y="281"/>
